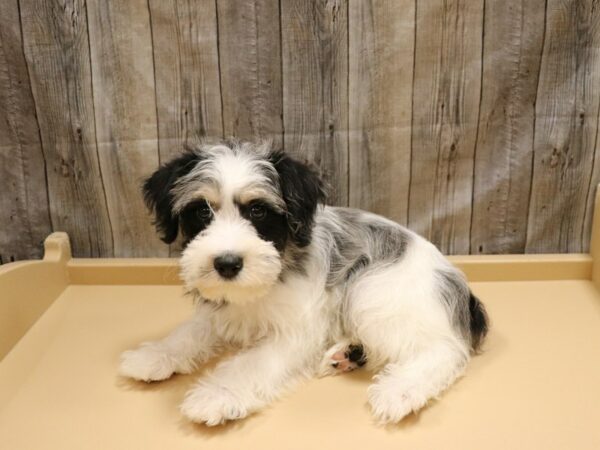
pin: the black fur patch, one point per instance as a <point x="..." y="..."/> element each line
<point x="158" y="196"/>
<point x="479" y="321"/>
<point x="302" y="189"/>
<point x="361" y="263"/>
<point x="361" y="244"/>
<point x="193" y="219"/>
<point x="273" y="227"/>
<point x="356" y="354"/>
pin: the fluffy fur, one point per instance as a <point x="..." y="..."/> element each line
<point x="314" y="282"/>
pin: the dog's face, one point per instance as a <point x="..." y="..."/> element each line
<point x="240" y="209"/>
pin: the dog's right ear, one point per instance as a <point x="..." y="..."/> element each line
<point x="159" y="198"/>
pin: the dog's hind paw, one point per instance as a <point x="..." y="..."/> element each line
<point x="342" y="357"/>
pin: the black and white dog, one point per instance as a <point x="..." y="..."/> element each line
<point x="302" y="289"/>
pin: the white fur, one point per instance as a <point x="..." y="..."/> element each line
<point x="284" y="325"/>
<point x="229" y="233"/>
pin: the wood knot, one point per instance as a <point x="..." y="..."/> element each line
<point x="64" y="168"/>
<point x="556" y="157"/>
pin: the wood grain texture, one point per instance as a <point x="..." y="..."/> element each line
<point x="474" y="122"/>
<point x="126" y="124"/>
<point x="446" y="96"/>
<point x="380" y="99"/>
<point x="315" y="88"/>
<point x="57" y="53"/>
<point x="24" y="210"/>
<point x="514" y="34"/>
<point x="566" y="128"/>
<point x="186" y="65"/>
<point x="250" y="62"/>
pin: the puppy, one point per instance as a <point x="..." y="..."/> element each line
<point x="301" y="289"/>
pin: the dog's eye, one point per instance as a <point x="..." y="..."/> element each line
<point x="257" y="211"/>
<point x="203" y="212"/>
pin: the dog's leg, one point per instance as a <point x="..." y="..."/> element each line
<point x="401" y="388"/>
<point x="180" y="352"/>
<point x="397" y="313"/>
<point x="247" y="382"/>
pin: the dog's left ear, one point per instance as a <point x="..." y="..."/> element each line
<point x="158" y="195"/>
<point x="302" y="191"/>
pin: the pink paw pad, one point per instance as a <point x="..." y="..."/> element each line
<point x="350" y="359"/>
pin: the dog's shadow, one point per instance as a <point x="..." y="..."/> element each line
<point x="173" y="391"/>
<point x="198" y="429"/>
<point x="175" y="383"/>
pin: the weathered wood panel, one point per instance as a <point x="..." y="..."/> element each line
<point x="446" y="96"/>
<point x="24" y="210"/>
<point x="380" y="91"/>
<point x="566" y="128"/>
<point x="186" y="66"/>
<point x="474" y="122"/>
<point x="514" y="34"/>
<point x="250" y="63"/>
<point x="315" y="88"/>
<point x="57" y="52"/>
<point x="125" y="111"/>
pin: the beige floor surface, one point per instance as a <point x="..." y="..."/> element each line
<point x="536" y="386"/>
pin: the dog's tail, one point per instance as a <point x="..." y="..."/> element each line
<point x="478" y="321"/>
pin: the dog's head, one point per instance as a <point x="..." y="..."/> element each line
<point x="242" y="210"/>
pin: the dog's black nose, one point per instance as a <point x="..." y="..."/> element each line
<point x="228" y="265"/>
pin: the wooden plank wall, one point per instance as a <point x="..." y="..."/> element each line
<point x="474" y="122"/>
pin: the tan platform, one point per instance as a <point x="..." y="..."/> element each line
<point x="64" y="322"/>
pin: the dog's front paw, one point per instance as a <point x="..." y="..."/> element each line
<point x="212" y="405"/>
<point x="390" y="403"/>
<point x="147" y="363"/>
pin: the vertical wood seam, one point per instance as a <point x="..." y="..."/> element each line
<point x="256" y="69"/>
<point x="110" y="225"/>
<point x="537" y="90"/>
<point x="158" y="137"/>
<point x="412" y="114"/>
<point x="35" y="113"/>
<point x="477" y="129"/>
<point x="281" y="77"/>
<point x="185" y="125"/>
<point x="14" y="128"/>
<point x="510" y="118"/>
<point x="219" y="69"/>
<point x="154" y="77"/>
<point x="348" y="158"/>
